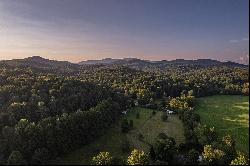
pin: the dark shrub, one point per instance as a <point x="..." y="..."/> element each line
<point x="164" y="116"/>
<point x="162" y="136"/>
<point x="153" y="113"/>
<point x="125" y="126"/>
<point x="140" y="137"/>
<point x="137" y="115"/>
<point x="152" y="153"/>
<point x="125" y="146"/>
<point x="131" y="123"/>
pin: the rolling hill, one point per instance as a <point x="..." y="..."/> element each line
<point x="41" y="63"/>
<point x="134" y="63"/>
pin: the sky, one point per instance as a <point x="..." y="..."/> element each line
<point x="77" y="30"/>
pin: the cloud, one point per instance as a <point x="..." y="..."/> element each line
<point x="233" y="41"/>
<point x="245" y="39"/>
<point x="243" y="59"/>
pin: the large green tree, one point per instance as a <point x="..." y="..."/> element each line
<point x="16" y="158"/>
<point x="138" y="157"/>
<point x="103" y="158"/>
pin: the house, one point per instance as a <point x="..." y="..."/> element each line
<point x="200" y="159"/>
<point x="136" y="103"/>
<point x="170" y="111"/>
<point x="124" y="112"/>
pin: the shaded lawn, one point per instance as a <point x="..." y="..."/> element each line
<point x="229" y="115"/>
<point x="150" y="126"/>
<point x="110" y="141"/>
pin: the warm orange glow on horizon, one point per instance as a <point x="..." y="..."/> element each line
<point x="78" y="58"/>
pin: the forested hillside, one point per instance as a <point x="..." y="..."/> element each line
<point x="49" y="108"/>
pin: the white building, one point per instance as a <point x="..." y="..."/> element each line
<point x="136" y="103"/>
<point x="200" y="159"/>
<point x="170" y="112"/>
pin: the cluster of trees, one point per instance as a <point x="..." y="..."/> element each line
<point x="137" y="157"/>
<point x="34" y="96"/>
<point x="164" y="149"/>
<point x="241" y="159"/>
<point x="56" y="135"/>
<point x="154" y="83"/>
<point x="245" y="89"/>
<point x="43" y="115"/>
<point x="223" y="152"/>
<point x="185" y="102"/>
<point x="146" y="86"/>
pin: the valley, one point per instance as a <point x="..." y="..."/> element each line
<point x="56" y="112"/>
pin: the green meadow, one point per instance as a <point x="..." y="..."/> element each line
<point x="229" y="114"/>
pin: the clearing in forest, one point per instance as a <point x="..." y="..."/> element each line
<point x="228" y="114"/>
<point x="147" y="124"/>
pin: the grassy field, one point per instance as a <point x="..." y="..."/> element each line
<point x="149" y="126"/>
<point x="228" y="114"/>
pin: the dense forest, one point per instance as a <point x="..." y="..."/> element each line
<point x="48" y="111"/>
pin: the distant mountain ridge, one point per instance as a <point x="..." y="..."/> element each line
<point x="135" y="63"/>
<point x="103" y="61"/>
<point x="39" y="62"/>
<point x="110" y="61"/>
<point x="131" y="61"/>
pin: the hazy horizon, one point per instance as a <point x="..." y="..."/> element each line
<point x="119" y="59"/>
<point x="81" y="30"/>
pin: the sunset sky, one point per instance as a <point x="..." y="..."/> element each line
<point x="76" y="30"/>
